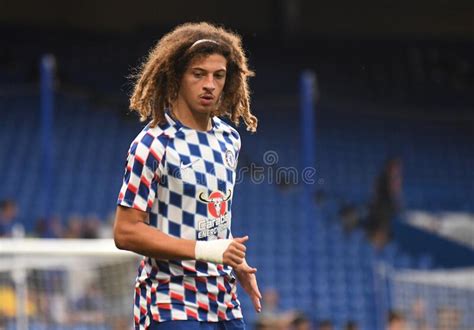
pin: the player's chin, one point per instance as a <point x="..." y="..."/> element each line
<point x="205" y="109"/>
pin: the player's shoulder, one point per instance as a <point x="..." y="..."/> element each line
<point x="150" y="134"/>
<point x="227" y="128"/>
<point x="153" y="139"/>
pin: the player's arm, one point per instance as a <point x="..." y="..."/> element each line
<point x="131" y="232"/>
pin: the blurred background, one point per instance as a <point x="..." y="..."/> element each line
<point x="374" y="99"/>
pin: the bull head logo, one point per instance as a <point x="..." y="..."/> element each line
<point x="216" y="203"/>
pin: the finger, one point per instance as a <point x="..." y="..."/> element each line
<point x="249" y="270"/>
<point x="236" y="259"/>
<point x="258" y="292"/>
<point x="239" y="246"/>
<point x="257" y="305"/>
<point x="232" y="263"/>
<point x="232" y="260"/>
<point x="255" y="288"/>
<point x="237" y="252"/>
<point x="240" y="254"/>
<point x="241" y="239"/>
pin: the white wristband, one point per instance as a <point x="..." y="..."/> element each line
<point x="212" y="251"/>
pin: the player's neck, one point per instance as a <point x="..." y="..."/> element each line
<point x="192" y="119"/>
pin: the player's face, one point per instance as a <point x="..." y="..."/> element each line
<point x="203" y="82"/>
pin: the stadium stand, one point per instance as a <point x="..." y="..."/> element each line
<point x="299" y="248"/>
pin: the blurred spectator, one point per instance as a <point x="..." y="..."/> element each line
<point x="349" y="217"/>
<point x="325" y="325"/>
<point x="301" y="322"/>
<point x="89" y="307"/>
<point x="418" y="316"/>
<point x="271" y="317"/>
<point x="73" y="227"/>
<point x="8" y="213"/>
<point x="285" y="179"/>
<point x="385" y="203"/>
<point x="76" y="227"/>
<point x="9" y="304"/>
<point x="395" y="321"/>
<point x="320" y="198"/>
<point x="41" y="228"/>
<point x="106" y="228"/>
<point x="91" y="227"/>
<point x="48" y="229"/>
<point x="351" y="325"/>
<point x="448" y="318"/>
<point x="284" y="185"/>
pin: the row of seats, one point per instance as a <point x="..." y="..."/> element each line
<point x="299" y="248"/>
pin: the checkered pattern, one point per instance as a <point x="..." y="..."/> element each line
<point x="177" y="175"/>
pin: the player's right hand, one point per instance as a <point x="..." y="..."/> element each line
<point x="234" y="255"/>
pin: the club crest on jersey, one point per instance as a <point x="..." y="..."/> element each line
<point x="230" y="159"/>
<point x="216" y="203"/>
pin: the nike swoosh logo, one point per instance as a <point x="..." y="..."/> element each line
<point x="184" y="166"/>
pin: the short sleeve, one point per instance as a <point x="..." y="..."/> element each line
<point x="142" y="173"/>
<point x="237" y="143"/>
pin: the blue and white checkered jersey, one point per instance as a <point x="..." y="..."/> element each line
<point x="184" y="179"/>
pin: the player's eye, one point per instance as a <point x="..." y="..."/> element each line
<point x="198" y="74"/>
<point x="219" y="75"/>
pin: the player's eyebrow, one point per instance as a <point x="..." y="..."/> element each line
<point x="197" y="68"/>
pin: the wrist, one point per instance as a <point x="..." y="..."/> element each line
<point x="211" y="251"/>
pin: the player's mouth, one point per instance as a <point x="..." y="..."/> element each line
<point x="206" y="99"/>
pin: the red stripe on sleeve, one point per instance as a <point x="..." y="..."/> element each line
<point x="164" y="306"/>
<point x="145" y="181"/>
<point x="201" y="279"/>
<point x="221" y="315"/>
<point x="176" y="296"/>
<point x="189" y="269"/>
<point x="192" y="314"/>
<point x="140" y="160"/>
<point x="203" y="306"/>
<point x="132" y="188"/>
<point x="153" y="153"/>
<point x="190" y="287"/>
<point x="212" y="297"/>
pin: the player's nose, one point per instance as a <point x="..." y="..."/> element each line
<point x="209" y="83"/>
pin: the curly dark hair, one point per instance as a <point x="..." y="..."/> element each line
<point x="158" y="79"/>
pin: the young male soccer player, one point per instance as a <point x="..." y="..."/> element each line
<point x="174" y="207"/>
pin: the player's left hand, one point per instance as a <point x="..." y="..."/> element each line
<point x="248" y="280"/>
